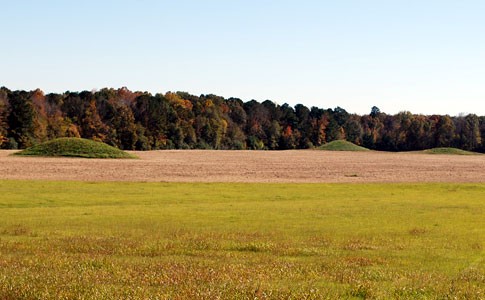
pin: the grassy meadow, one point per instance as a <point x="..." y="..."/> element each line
<point x="75" y="240"/>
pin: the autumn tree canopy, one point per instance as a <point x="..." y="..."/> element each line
<point x="142" y="121"/>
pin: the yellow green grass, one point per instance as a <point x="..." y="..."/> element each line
<point x="342" y="145"/>
<point x="75" y="147"/>
<point x="447" y="150"/>
<point x="73" y="240"/>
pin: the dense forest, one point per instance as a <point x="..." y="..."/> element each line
<point x="142" y="121"/>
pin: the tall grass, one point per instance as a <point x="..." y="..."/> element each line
<point x="72" y="240"/>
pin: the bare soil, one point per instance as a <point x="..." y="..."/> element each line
<point x="251" y="166"/>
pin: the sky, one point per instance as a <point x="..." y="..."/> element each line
<point x="423" y="56"/>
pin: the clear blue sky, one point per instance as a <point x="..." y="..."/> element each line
<point x="424" y="56"/>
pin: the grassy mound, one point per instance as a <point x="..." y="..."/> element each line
<point x="75" y="147"/>
<point x="453" y="151"/>
<point x="341" y="145"/>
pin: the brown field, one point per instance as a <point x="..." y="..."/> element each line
<point x="251" y="166"/>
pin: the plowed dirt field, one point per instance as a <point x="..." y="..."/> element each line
<point x="251" y="166"/>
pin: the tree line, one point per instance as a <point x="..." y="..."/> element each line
<point x="142" y="121"/>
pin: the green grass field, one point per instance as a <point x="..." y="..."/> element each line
<point x="73" y="240"/>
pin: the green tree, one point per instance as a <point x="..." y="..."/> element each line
<point x="21" y="119"/>
<point x="419" y="136"/>
<point x="390" y="134"/>
<point x="335" y="129"/>
<point x="353" y="130"/>
<point x="74" y="105"/>
<point x="444" y="133"/>
<point x="153" y="114"/>
<point x="372" y="129"/>
<point x="3" y="116"/>
<point x="123" y="123"/>
<point x="304" y="126"/>
<point x="468" y="132"/>
<point x="116" y="114"/>
<point x="375" y="112"/>
<point x="481" y="121"/>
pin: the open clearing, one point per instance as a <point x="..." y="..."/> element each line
<point x="114" y="240"/>
<point x="303" y="166"/>
<point x="270" y="229"/>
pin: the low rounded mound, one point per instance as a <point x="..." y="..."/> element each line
<point x="75" y="147"/>
<point x="445" y="150"/>
<point x="342" y="145"/>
